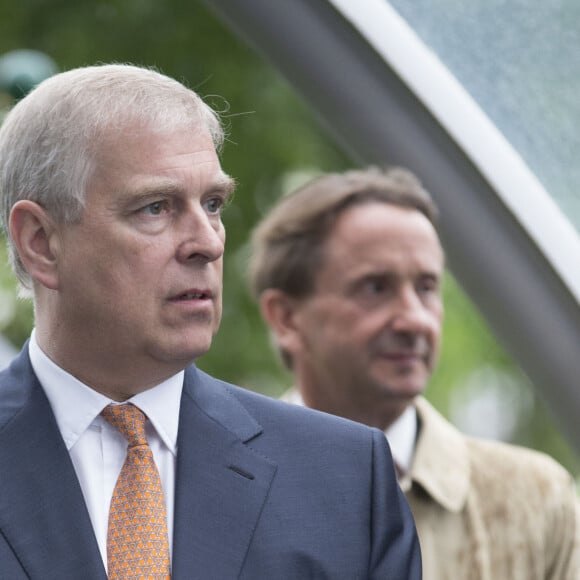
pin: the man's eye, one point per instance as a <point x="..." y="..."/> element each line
<point x="214" y="205"/>
<point x="428" y="285"/>
<point x="155" y="208"/>
<point x="375" y="286"/>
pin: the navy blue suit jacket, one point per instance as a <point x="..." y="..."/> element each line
<point x="265" y="490"/>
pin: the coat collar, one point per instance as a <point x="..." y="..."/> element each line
<point x="42" y="511"/>
<point x="441" y="462"/>
<point x="222" y="484"/>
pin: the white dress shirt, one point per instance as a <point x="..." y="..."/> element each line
<point x="401" y="435"/>
<point x="96" y="448"/>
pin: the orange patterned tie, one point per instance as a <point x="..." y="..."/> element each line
<point x="137" y="544"/>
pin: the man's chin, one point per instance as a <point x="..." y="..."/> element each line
<point x="182" y="354"/>
<point x="403" y="392"/>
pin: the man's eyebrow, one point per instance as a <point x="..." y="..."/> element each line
<point x="129" y="197"/>
<point x="226" y="184"/>
<point x="223" y="184"/>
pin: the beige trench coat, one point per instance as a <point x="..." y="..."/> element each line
<point x="489" y="511"/>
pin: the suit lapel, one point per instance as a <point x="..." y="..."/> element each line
<point x="42" y="511"/>
<point x="221" y="483"/>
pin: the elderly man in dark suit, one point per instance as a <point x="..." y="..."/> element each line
<point x="118" y="458"/>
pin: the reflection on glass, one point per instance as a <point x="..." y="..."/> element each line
<point x="519" y="60"/>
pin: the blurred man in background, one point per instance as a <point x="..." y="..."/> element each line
<point x="348" y="272"/>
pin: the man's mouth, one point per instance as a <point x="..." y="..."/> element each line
<point x="403" y="355"/>
<point x="193" y="295"/>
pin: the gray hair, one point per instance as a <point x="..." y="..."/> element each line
<point x="49" y="140"/>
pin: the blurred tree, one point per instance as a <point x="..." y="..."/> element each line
<point x="20" y="70"/>
<point x="273" y="141"/>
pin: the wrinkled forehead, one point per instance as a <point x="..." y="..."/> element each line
<point x="132" y="137"/>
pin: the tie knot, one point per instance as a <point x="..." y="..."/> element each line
<point x="129" y="420"/>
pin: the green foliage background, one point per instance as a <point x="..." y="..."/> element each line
<point x="274" y="142"/>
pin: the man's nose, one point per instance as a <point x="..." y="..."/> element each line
<point x="410" y="313"/>
<point x="202" y="238"/>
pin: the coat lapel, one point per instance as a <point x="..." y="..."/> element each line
<point x="221" y="483"/>
<point x="42" y="511"/>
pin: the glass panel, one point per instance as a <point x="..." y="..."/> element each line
<point x="519" y="60"/>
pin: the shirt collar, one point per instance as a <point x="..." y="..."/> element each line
<point x="401" y="436"/>
<point x="76" y="406"/>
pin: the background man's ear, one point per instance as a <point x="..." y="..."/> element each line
<point x="35" y="237"/>
<point x="279" y="311"/>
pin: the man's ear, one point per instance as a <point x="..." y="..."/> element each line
<point x="279" y="311"/>
<point x="35" y="237"/>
